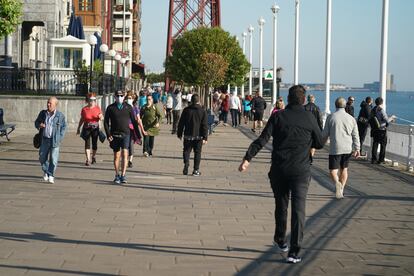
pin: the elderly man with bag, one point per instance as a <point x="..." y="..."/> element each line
<point x="52" y="127"/>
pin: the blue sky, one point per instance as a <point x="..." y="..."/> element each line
<point x="356" y="37"/>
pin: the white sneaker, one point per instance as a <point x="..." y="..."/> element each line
<point x="45" y="177"/>
<point x="342" y="190"/>
<point x="51" y="179"/>
<point x="338" y="186"/>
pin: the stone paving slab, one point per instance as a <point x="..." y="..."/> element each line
<point x="164" y="223"/>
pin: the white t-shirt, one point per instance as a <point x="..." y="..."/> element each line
<point x="234" y="102"/>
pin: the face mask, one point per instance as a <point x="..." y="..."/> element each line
<point x="119" y="99"/>
<point x="130" y="101"/>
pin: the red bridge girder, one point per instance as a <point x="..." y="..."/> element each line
<point x="190" y="14"/>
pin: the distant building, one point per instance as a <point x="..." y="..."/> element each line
<point x="376" y="85"/>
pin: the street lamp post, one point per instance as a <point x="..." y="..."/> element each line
<point x="92" y="40"/>
<point x="122" y="61"/>
<point x="244" y="34"/>
<point x="275" y="9"/>
<point x="328" y="60"/>
<point x="296" y="65"/>
<point x="384" y="52"/>
<point x="251" y="29"/>
<point x="103" y="49"/>
<point x="117" y="57"/>
<point x="112" y="54"/>
<point x="261" y="22"/>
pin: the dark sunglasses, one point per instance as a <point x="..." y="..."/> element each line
<point x="119" y="96"/>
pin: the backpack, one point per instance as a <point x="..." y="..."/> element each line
<point x="373" y="120"/>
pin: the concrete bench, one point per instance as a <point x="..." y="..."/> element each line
<point x="5" y="129"/>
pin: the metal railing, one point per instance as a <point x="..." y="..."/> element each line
<point x="48" y="81"/>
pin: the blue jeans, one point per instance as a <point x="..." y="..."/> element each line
<point x="49" y="163"/>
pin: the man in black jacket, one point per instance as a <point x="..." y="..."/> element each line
<point x="258" y="107"/>
<point x="349" y="108"/>
<point x="193" y="123"/>
<point x="294" y="131"/>
<point x="363" y="119"/>
<point x="117" y="118"/>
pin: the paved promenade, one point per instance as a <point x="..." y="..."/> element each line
<point x="222" y="223"/>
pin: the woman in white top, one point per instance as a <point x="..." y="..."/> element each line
<point x="235" y="108"/>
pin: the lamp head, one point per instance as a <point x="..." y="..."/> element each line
<point x="117" y="57"/>
<point x="261" y="21"/>
<point x="244" y="34"/>
<point x="250" y="29"/>
<point x="275" y="9"/>
<point x="103" y="48"/>
<point x="92" y="40"/>
<point x="111" y="53"/>
<point x="122" y="61"/>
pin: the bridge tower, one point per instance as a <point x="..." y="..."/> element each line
<point x="190" y="14"/>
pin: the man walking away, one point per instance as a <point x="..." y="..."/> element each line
<point x="350" y="106"/>
<point x="379" y="134"/>
<point x="193" y="123"/>
<point x="117" y="118"/>
<point x="294" y="132"/>
<point x="52" y="125"/>
<point x="258" y="107"/>
<point x="363" y="119"/>
<point x="316" y="111"/>
<point x="235" y="108"/>
<point x="177" y="106"/>
<point x="342" y="130"/>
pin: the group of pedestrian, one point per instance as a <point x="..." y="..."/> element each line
<point x="296" y="130"/>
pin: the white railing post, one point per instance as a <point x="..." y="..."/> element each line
<point x="410" y="148"/>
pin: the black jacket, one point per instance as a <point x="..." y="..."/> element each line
<point x="350" y="109"/>
<point x="193" y="122"/>
<point x="316" y="112"/>
<point x="365" y="111"/>
<point x="258" y="104"/>
<point x="294" y="131"/>
<point x="116" y="120"/>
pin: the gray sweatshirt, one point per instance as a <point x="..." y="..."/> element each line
<point x="342" y="130"/>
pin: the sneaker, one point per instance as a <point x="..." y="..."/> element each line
<point x="146" y="154"/>
<point x="196" y="173"/>
<point x="253" y="130"/>
<point x="46" y="177"/>
<point x="123" y="179"/>
<point x="281" y="248"/>
<point x="129" y="164"/>
<point x="87" y="163"/>
<point x="93" y="160"/>
<point x="185" y="170"/>
<point x="293" y="259"/>
<point x="51" y="180"/>
<point x="117" y="179"/>
<point x="338" y="187"/>
<point x="342" y="190"/>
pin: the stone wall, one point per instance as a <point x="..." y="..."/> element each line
<point x="23" y="110"/>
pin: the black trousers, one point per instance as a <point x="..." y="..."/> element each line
<point x="176" y="117"/>
<point x="234" y="117"/>
<point x="297" y="188"/>
<point x="148" y="144"/>
<point x="168" y="115"/>
<point x="190" y="145"/>
<point x="362" y="129"/>
<point x="91" y="134"/>
<point x="380" y="139"/>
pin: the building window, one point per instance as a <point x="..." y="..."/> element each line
<point x="85" y="5"/>
<point x="67" y="57"/>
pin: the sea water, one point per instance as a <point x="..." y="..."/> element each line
<point x="400" y="103"/>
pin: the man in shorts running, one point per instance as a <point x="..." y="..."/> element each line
<point x="342" y="130"/>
